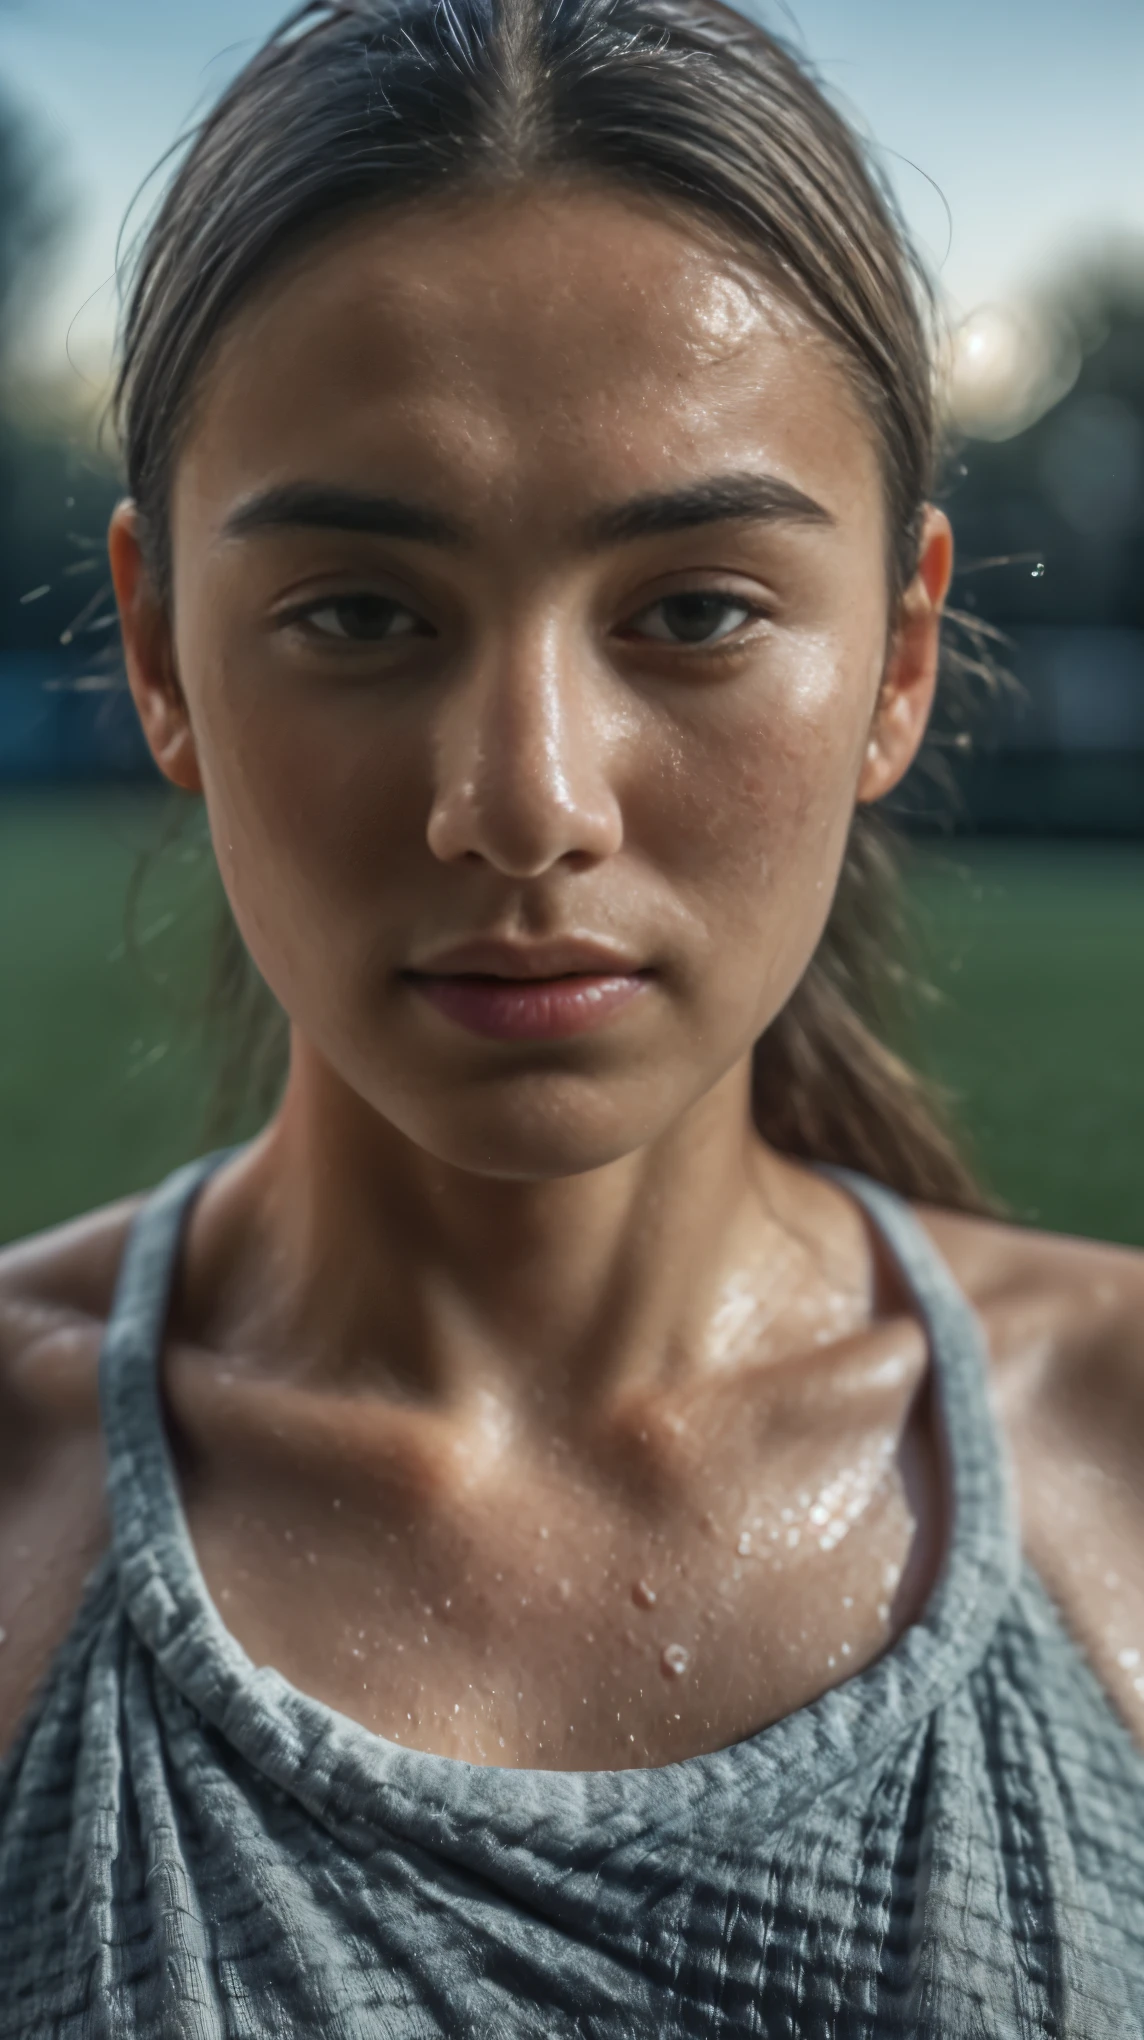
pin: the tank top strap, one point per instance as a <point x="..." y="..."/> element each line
<point x="985" y="1544"/>
<point x="159" y="1578"/>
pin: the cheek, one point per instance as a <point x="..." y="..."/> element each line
<point x="317" y="813"/>
<point x="755" y="796"/>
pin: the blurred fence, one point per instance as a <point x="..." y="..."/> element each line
<point x="1080" y="690"/>
<point x="1063" y="751"/>
<point x="58" y="725"/>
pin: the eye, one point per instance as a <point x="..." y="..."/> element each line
<point x="361" y="619"/>
<point x="697" y="617"/>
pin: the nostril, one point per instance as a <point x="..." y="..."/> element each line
<point x="523" y="839"/>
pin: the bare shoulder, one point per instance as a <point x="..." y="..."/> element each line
<point x="55" y="1293"/>
<point x="1064" y="1322"/>
<point x="1065" y="1315"/>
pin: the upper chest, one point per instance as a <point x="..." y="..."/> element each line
<point x="694" y="1568"/>
<point x="713" y="1565"/>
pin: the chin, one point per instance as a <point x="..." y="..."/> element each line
<point x="534" y="1129"/>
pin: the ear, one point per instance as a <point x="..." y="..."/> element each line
<point x="905" y="697"/>
<point x="149" y="653"/>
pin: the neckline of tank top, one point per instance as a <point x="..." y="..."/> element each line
<point x="280" y="1729"/>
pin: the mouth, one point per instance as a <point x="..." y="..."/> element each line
<point x="542" y="992"/>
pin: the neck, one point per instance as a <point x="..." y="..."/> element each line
<point x="336" y="1240"/>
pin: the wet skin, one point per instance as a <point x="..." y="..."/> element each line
<point x="530" y="642"/>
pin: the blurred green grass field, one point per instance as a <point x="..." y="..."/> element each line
<point x="1035" y="950"/>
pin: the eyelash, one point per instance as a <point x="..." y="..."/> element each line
<point x="752" y="613"/>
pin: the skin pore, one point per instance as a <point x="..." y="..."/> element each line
<point x="529" y="623"/>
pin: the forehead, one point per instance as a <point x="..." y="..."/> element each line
<point x="584" y="340"/>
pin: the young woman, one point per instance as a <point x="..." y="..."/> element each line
<point x="561" y="1570"/>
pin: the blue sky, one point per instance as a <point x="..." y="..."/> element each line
<point x="1026" y="114"/>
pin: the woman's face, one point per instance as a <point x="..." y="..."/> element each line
<point x="529" y="592"/>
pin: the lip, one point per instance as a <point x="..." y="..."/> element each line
<point x="547" y="991"/>
<point x="495" y="956"/>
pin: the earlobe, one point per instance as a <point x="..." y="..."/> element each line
<point x="906" y="695"/>
<point x="148" y="653"/>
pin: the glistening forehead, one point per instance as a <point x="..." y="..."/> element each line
<point x="453" y="272"/>
<point x="504" y="332"/>
<point x="414" y="358"/>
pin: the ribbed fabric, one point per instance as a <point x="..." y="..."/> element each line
<point x="949" y="1845"/>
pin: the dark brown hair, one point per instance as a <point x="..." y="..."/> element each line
<point x="377" y="102"/>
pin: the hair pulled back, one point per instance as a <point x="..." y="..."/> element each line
<point x="353" y="104"/>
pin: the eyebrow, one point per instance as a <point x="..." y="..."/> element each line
<point x="311" y="506"/>
<point x="760" y="499"/>
<point x="720" y="499"/>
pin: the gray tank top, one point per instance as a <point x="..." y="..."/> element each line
<point x="951" y="1844"/>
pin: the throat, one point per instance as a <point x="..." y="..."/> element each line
<point x="428" y="1286"/>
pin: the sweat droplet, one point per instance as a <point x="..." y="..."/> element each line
<point x="643" y="1595"/>
<point x="674" y="1661"/>
<point x="744" y="1544"/>
<point x="1129" y="1659"/>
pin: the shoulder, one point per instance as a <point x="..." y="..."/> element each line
<point x="1065" y="1315"/>
<point x="1064" y="1324"/>
<point x="55" y="1293"/>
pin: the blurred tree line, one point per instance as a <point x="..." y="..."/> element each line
<point x="56" y="489"/>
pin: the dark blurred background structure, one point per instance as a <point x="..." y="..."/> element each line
<point x="1050" y="539"/>
<point x="1025" y="865"/>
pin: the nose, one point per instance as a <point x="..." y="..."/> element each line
<point x="522" y="782"/>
